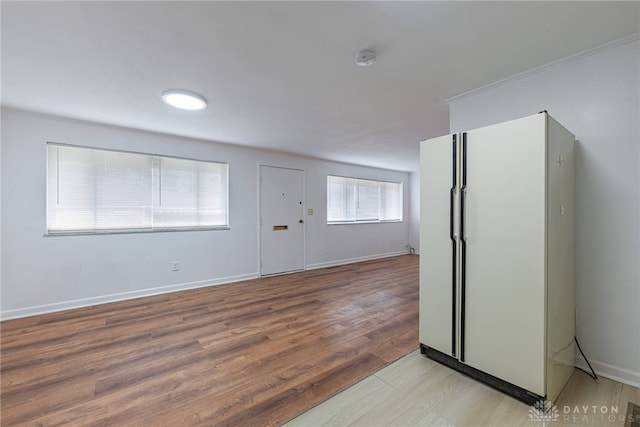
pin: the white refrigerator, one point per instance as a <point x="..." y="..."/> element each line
<point x="497" y="256"/>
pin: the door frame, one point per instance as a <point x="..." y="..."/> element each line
<point x="259" y="215"/>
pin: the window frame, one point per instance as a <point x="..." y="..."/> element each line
<point x="366" y="221"/>
<point x="134" y="230"/>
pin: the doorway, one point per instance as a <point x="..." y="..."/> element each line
<point x="281" y="220"/>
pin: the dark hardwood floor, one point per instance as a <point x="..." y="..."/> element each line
<point x="250" y="353"/>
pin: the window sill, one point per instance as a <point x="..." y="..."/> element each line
<point x="364" y="222"/>
<point x="130" y="231"/>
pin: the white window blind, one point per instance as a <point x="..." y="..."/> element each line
<point x="354" y="200"/>
<point x="192" y="193"/>
<point x="93" y="190"/>
<point x="341" y="195"/>
<point x="391" y="201"/>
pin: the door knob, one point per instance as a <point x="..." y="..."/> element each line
<point x="301" y="221"/>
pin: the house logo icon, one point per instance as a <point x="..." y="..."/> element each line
<point x="544" y="411"/>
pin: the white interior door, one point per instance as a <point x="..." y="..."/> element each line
<point x="438" y="243"/>
<point x="504" y="230"/>
<point x="281" y="220"/>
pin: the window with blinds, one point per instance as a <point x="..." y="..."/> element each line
<point x="352" y="200"/>
<point x="100" y="191"/>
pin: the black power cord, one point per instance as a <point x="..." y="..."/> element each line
<point x="592" y="374"/>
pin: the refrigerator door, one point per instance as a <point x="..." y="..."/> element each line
<point x="438" y="243"/>
<point x="504" y="260"/>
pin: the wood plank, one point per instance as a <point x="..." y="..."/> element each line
<point x="416" y="391"/>
<point x="253" y="352"/>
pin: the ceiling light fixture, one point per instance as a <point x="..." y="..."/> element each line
<point x="184" y="99"/>
<point x="365" y="57"/>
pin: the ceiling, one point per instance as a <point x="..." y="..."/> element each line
<point x="282" y="75"/>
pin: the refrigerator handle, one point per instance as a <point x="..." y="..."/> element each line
<point x="452" y="198"/>
<point x="463" y="245"/>
<point x="454" y="246"/>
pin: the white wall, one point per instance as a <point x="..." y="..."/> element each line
<point x="41" y="274"/>
<point x="596" y="96"/>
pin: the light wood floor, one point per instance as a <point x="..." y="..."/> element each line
<point x="416" y="391"/>
<point x="249" y="353"/>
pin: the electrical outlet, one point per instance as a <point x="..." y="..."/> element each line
<point x="175" y="266"/>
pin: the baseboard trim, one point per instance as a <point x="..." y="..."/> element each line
<point x="615" y="373"/>
<point x="103" y="299"/>
<point x="353" y="260"/>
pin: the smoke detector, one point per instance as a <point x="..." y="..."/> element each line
<point x="365" y="57"/>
